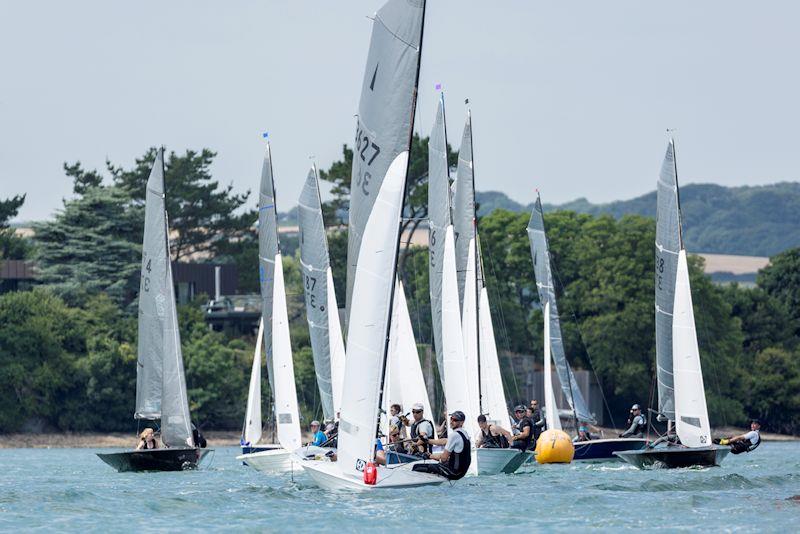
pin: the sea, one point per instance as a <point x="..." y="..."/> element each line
<point x="71" y="490"/>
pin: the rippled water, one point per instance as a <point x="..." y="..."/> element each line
<point x="71" y="489"/>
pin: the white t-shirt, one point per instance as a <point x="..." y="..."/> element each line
<point x="752" y="436"/>
<point x="454" y="441"/>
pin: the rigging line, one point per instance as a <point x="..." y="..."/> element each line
<point x="585" y="348"/>
<point x="711" y="352"/>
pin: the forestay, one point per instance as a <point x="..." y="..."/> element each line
<point x="321" y="309"/>
<point x="668" y="245"/>
<point x="385" y="114"/>
<point x="540" y="252"/>
<point x="439" y="218"/>
<point x="691" y="412"/>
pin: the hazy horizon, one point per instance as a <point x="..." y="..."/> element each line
<point x="571" y="99"/>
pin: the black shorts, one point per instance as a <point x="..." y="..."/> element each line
<point x="439" y="469"/>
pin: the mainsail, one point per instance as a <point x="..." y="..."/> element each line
<point x="385" y="114"/>
<point x="274" y="314"/>
<point x="668" y="246"/>
<point x="439" y="219"/>
<point x="540" y="252"/>
<point x="321" y="309"/>
<point x="691" y="412"/>
<point x="160" y="379"/>
<point x="464" y="212"/>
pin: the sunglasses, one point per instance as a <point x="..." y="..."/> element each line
<point x="416" y="411"/>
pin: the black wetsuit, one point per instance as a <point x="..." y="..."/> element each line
<point x="457" y="464"/>
<point x="491" y="441"/>
<point x="523" y="444"/>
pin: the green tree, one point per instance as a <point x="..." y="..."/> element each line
<point x="775" y="389"/>
<point x="781" y="279"/>
<point x="202" y="215"/>
<point x="90" y="246"/>
<point x="12" y="247"/>
<point x="765" y="321"/>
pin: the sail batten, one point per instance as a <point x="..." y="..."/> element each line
<point x="540" y="252"/>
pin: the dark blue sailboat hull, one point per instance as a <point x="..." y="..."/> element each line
<point x="604" y="449"/>
<point x="674" y="457"/>
<point x="155" y="459"/>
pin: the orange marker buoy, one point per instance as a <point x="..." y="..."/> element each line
<point x="554" y="447"/>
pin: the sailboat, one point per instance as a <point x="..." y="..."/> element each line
<point x="380" y="166"/>
<point x="681" y="394"/>
<point x="485" y="393"/>
<point x="322" y="311"/>
<point x="598" y="449"/>
<point x="160" y="380"/>
<point x="274" y="332"/>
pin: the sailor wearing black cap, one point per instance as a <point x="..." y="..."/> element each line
<point x="522" y="439"/>
<point x="455" y="459"/>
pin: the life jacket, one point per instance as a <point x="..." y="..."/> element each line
<point x="641" y="428"/>
<point x="414" y="426"/>
<point x="526" y="421"/>
<point x="745" y="446"/>
<point x="490" y="441"/>
<point x="458" y="463"/>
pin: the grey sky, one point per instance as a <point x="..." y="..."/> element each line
<point x="569" y="97"/>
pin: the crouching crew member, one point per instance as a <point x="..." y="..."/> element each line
<point x="455" y="459"/>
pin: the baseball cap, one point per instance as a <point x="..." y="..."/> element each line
<point x="458" y="415"/>
<point x="635" y="407"/>
<point x="519" y="408"/>
<point x="417" y="406"/>
<point x="314" y="423"/>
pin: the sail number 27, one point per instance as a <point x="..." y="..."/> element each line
<point x="367" y="150"/>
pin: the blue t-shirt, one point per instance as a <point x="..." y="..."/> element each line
<point x="319" y="438"/>
<point x="378" y="444"/>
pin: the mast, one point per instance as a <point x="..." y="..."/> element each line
<point x="400" y="223"/>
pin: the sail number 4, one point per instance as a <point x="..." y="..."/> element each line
<point x="146" y="281"/>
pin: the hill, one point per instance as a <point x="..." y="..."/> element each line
<point x="750" y="221"/>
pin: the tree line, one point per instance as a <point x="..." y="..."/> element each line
<point x="68" y="347"/>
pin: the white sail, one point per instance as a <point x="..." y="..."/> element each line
<point x="286" y="412"/>
<point x="456" y="389"/>
<point x="550" y="408"/>
<point x="493" y="395"/>
<point x="369" y="322"/>
<point x="469" y="326"/>
<point x="404" y="383"/>
<point x="691" y="412"/>
<point x="252" y="419"/>
<point x="336" y="346"/>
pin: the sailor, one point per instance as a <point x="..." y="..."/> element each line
<point x="319" y="437"/>
<point x="455" y="459"/>
<point x="538" y="421"/>
<point x="491" y="436"/>
<point x="199" y="439"/>
<point x="421" y="429"/>
<point x="638" y="424"/>
<point x="583" y="434"/>
<point x="522" y="440"/>
<point x="746" y="442"/>
<point x="147" y="440"/>
<point x="397" y="419"/>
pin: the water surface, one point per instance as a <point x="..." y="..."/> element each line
<point x="71" y="490"/>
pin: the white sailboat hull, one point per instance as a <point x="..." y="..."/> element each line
<point x="494" y="461"/>
<point x="329" y="476"/>
<point x="274" y="461"/>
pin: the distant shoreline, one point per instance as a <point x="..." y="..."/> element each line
<point x="216" y="438"/>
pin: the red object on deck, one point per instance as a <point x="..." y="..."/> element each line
<point x="370" y="474"/>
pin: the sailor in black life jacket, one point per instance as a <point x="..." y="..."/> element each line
<point x="746" y="442"/>
<point x="420" y="430"/>
<point x="491" y="436"/>
<point x="638" y="424"/>
<point x="455" y="459"/>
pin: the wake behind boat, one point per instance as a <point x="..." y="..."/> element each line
<point x="160" y="379"/>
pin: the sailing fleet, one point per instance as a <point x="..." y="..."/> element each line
<point x="377" y="365"/>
